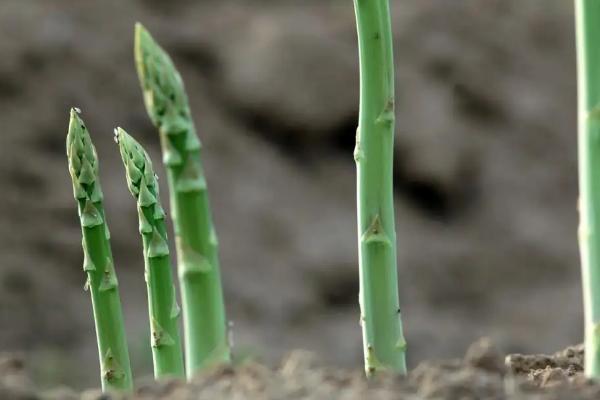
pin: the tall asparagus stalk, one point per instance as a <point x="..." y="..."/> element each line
<point x="98" y="262"/>
<point x="162" y="299"/>
<point x="196" y="240"/>
<point x="588" y="51"/>
<point x="383" y="340"/>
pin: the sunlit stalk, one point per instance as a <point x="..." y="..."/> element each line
<point x="588" y="51"/>
<point x="383" y="340"/>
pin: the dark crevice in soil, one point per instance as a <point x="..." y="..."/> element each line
<point x="25" y="181"/>
<point x="475" y="105"/>
<point x="338" y="290"/>
<point x="430" y="197"/>
<point x="200" y="56"/>
<point x="436" y="199"/>
<point x="427" y="196"/>
<point x="9" y="89"/>
<point x="17" y="282"/>
<point x="286" y="138"/>
<point x="50" y="144"/>
<point x="343" y="137"/>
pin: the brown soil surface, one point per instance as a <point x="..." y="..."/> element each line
<point x="482" y="374"/>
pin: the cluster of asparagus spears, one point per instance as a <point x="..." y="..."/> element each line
<point x="204" y="322"/>
<point x="205" y="332"/>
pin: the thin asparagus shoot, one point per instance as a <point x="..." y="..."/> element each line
<point x="383" y="341"/>
<point x="196" y="240"/>
<point x="162" y="298"/>
<point x="588" y="52"/>
<point x="98" y="262"/>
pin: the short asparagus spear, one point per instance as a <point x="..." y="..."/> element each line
<point x="383" y="340"/>
<point x="98" y="261"/>
<point x="196" y="241"/>
<point x="162" y="299"/>
<point x="588" y="51"/>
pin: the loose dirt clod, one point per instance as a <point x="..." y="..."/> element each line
<point x="483" y="354"/>
<point x="570" y="359"/>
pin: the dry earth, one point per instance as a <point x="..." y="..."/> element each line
<point x="482" y="374"/>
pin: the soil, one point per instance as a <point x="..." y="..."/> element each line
<point x="482" y="374"/>
<point x="485" y="176"/>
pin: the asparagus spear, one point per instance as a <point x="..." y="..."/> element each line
<point x="383" y="340"/>
<point x="162" y="299"/>
<point x="98" y="261"/>
<point x="588" y="51"/>
<point x="196" y="241"/>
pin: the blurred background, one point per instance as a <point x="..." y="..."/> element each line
<point x="485" y="171"/>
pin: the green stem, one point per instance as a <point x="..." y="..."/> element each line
<point x="162" y="299"/>
<point x="200" y="281"/>
<point x="196" y="241"/>
<point x="98" y="262"/>
<point x="588" y="51"/>
<point x="383" y="340"/>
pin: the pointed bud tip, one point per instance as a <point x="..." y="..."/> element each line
<point x="139" y="29"/>
<point x="141" y="35"/>
<point x="76" y="125"/>
<point x="116" y="135"/>
<point x="75" y="114"/>
<point x="128" y="144"/>
<point x="122" y="138"/>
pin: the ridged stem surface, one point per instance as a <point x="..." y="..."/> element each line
<point x="383" y="340"/>
<point x="196" y="241"/>
<point x="163" y="309"/>
<point x="588" y="51"/>
<point x="98" y="262"/>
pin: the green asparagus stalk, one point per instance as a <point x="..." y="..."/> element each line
<point x="196" y="241"/>
<point x="98" y="262"/>
<point x="383" y="340"/>
<point x="162" y="299"/>
<point x="588" y="51"/>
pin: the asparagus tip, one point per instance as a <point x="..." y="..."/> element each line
<point x="123" y="139"/>
<point x="138" y="166"/>
<point x="74" y="117"/>
<point x="81" y="154"/>
<point x="164" y="94"/>
<point x="140" y="30"/>
<point x="78" y="140"/>
<point x="142" y="40"/>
